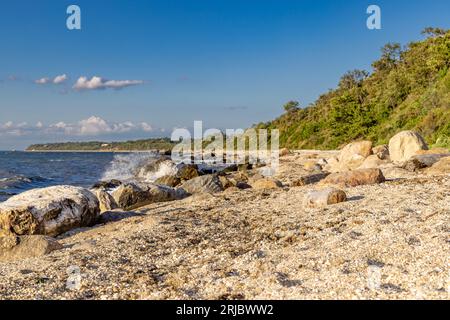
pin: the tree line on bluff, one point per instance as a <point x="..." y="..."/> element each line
<point x="408" y="89"/>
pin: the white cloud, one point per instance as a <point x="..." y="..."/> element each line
<point x="60" y="79"/>
<point x="146" y="127"/>
<point x="97" y="83"/>
<point x="42" y="81"/>
<point x="92" y="126"/>
<point x="57" y="80"/>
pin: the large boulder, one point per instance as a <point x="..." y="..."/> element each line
<point x="354" y="154"/>
<point x="28" y="247"/>
<point x="49" y="211"/>
<point x="354" y="178"/>
<point x="324" y="197"/>
<point x="131" y="196"/>
<point x="405" y="144"/>
<point x="204" y="184"/>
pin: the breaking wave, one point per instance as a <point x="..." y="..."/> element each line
<point x="138" y="166"/>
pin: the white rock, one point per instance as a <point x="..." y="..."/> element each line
<point x="324" y="197"/>
<point x="49" y="211"/>
<point x="405" y="144"/>
<point x="354" y="154"/>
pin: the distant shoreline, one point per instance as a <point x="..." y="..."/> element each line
<point x="87" y="151"/>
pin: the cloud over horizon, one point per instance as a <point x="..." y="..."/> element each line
<point x="92" y="126"/>
<point x="84" y="83"/>
<point x="57" y="80"/>
<point x="98" y="83"/>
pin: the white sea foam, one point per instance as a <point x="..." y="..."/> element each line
<point x="138" y="166"/>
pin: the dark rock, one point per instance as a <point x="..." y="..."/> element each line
<point x="112" y="184"/>
<point x="188" y="172"/>
<point x="203" y="184"/>
<point x="310" y="179"/>
<point x="170" y="181"/>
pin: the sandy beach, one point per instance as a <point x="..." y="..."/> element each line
<point x="387" y="241"/>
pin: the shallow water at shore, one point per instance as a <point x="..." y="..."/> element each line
<point x="22" y="171"/>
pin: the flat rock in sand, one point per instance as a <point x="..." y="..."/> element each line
<point x="29" y="247"/>
<point x="354" y="178"/>
<point x="266" y="183"/>
<point x="324" y="197"/>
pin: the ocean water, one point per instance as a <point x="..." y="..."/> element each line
<point x="21" y="171"/>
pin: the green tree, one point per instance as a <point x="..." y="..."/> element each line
<point x="291" y="106"/>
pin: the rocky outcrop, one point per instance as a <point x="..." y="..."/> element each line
<point x="156" y="168"/>
<point x="440" y="167"/>
<point x="105" y="200"/>
<point x="170" y="181"/>
<point x="422" y="161"/>
<point x="405" y="144"/>
<point x="107" y="185"/>
<point x="332" y="165"/>
<point x="49" y="211"/>
<point x="350" y="157"/>
<point x="29" y="246"/>
<point x="382" y="152"/>
<point x="354" y="178"/>
<point x="324" y="197"/>
<point x="354" y="154"/>
<point x="188" y="172"/>
<point x="372" y="161"/>
<point x="203" y="184"/>
<point x="309" y="179"/>
<point x="130" y="196"/>
<point x="226" y="183"/>
<point x="266" y="183"/>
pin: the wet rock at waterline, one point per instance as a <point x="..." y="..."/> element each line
<point x="170" y="181"/>
<point x="106" y="200"/>
<point x="130" y="196"/>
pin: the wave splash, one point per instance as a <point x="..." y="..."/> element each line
<point x="139" y="166"/>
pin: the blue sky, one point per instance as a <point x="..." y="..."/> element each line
<point x="230" y="63"/>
